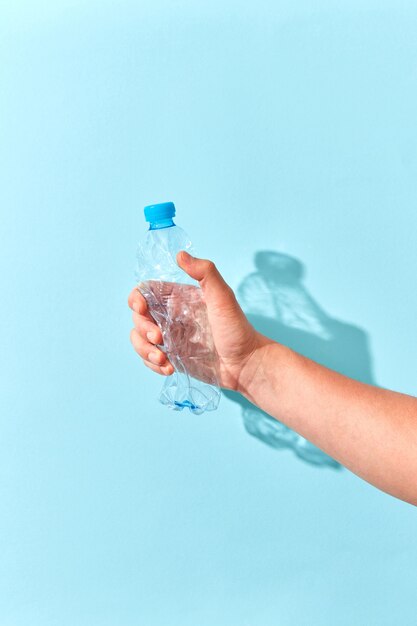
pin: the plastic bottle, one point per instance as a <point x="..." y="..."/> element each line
<point x="176" y="303"/>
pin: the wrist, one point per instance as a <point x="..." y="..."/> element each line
<point x="253" y="374"/>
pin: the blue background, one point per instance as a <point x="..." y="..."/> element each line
<point x="282" y="126"/>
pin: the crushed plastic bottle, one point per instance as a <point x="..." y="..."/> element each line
<point x="176" y="303"/>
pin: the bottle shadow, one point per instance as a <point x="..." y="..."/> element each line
<point x="279" y="305"/>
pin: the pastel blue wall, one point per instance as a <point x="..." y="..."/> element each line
<point x="279" y="126"/>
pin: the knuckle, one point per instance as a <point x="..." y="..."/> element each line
<point x="136" y="301"/>
<point x="155" y="330"/>
<point x="157" y="356"/>
<point x="137" y="320"/>
<point x="231" y="293"/>
<point x="151" y="366"/>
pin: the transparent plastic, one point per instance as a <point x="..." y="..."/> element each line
<point x="176" y="303"/>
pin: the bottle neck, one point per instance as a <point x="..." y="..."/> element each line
<point x="161" y="223"/>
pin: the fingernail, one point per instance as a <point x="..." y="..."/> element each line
<point x="186" y="256"/>
<point x="153" y="357"/>
<point x="151" y="337"/>
<point x="135" y="307"/>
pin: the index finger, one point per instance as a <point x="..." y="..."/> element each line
<point x="137" y="302"/>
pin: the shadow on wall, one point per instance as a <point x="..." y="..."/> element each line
<point x="279" y="306"/>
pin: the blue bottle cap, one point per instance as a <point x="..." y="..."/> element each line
<point x="155" y="212"/>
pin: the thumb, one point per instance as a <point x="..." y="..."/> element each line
<point x="216" y="291"/>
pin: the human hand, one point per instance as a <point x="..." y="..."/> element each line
<point x="236" y="341"/>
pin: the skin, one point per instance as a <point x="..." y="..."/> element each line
<point x="370" y="430"/>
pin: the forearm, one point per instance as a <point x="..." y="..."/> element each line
<point x="371" y="431"/>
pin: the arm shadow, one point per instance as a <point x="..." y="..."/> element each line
<point x="278" y="304"/>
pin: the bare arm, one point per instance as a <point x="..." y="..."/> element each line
<point x="371" y="431"/>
